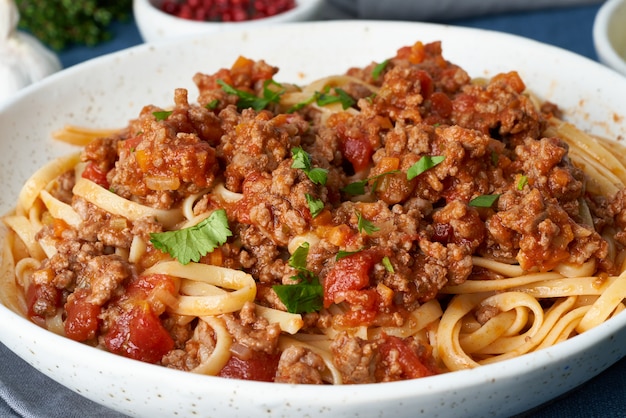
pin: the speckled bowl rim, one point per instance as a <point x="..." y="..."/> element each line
<point x="143" y="390"/>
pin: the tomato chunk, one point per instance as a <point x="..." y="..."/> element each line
<point x="260" y="366"/>
<point x="349" y="273"/>
<point x="358" y="151"/>
<point x="411" y="364"/>
<point x="94" y="173"/>
<point x="137" y="331"/>
<point x="82" y="320"/>
<point x="139" y="334"/>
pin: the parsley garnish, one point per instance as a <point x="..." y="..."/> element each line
<point x="387" y="263"/>
<point x="342" y="97"/>
<point x="162" y="115"/>
<point x="189" y="244"/>
<point x="358" y="187"/>
<point x="379" y="68"/>
<point x="325" y="98"/>
<point x="212" y="105"/>
<point x="365" y="225"/>
<point x="484" y="201"/>
<point x="315" y="205"/>
<point x="494" y="158"/>
<point x="302" y="160"/>
<point x="426" y="162"/>
<point x="521" y="182"/>
<point x="307" y="294"/>
<point x="342" y="253"/>
<point x="247" y="99"/>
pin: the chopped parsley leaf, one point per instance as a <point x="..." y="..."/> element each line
<point x="316" y="206"/>
<point x="190" y="244"/>
<point x="358" y="187"/>
<point x="484" y="201"/>
<point x="302" y="160"/>
<point x="162" y="115"/>
<point x="379" y="68"/>
<point x="325" y="98"/>
<point x="387" y="263"/>
<point x="298" y="258"/>
<point x="306" y="295"/>
<point x="365" y="225"/>
<point x="426" y="162"/>
<point x="249" y="100"/>
<point x="521" y="182"/>
<point x="212" y="104"/>
<point x="342" y="253"/>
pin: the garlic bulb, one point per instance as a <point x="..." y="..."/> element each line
<point x="23" y="59"/>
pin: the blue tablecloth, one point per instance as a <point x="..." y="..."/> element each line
<point x="603" y="396"/>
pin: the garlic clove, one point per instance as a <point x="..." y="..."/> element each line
<point x="23" y="59"/>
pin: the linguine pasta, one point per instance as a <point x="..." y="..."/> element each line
<point x="394" y="222"/>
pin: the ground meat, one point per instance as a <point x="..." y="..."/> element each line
<point x="256" y="143"/>
<point x="98" y="225"/>
<point x="498" y="109"/>
<point x="354" y="358"/>
<point x="105" y="274"/>
<point x="160" y="164"/>
<point x="252" y="331"/>
<point x="298" y="365"/>
<point x="396" y="218"/>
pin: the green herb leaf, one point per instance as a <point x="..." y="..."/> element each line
<point x="387" y="263"/>
<point x="494" y="158"/>
<point x="316" y="206"/>
<point x="341" y="96"/>
<point x="521" y="182"/>
<point x="303" y="103"/>
<point x="298" y="258"/>
<point x="162" y="115"/>
<point x="249" y="100"/>
<point x="426" y="162"/>
<point x="212" y="104"/>
<point x="302" y="160"/>
<point x="365" y="225"/>
<point x="306" y="296"/>
<point x="484" y="201"/>
<point x="379" y="68"/>
<point x="189" y="244"/>
<point x="342" y="253"/>
<point x="358" y="187"/>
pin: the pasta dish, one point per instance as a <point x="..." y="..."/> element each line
<point x="397" y="221"/>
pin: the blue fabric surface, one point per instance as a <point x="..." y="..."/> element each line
<point x="603" y="396"/>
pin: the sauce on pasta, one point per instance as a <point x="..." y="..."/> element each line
<point x="393" y="222"/>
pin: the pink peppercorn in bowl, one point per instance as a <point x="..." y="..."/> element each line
<point x="167" y="19"/>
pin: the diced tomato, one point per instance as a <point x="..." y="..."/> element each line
<point x="82" y="320"/>
<point x="142" y="286"/>
<point x="38" y="292"/>
<point x="131" y="143"/>
<point x="358" y="151"/>
<point x="415" y="53"/>
<point x="426" y="84"/>
<point x="261" y="367"/>
<point x="412" y="366"/>
<point x="441" y="104"/>
<point x="349" y="273"/>
<point x="94" y="173"/>
<point x="139" y="334"/>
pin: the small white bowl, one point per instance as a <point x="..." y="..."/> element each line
<point x="155" y="24"/>
<point x="609" y="34"/>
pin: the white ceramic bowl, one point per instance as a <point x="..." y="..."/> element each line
<point x="108" y="91"/>
<point x="155" y="24"/>
<point x="609" y="34"/>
